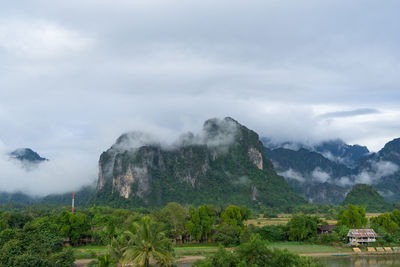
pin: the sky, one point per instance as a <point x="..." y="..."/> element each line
<point x="74" y="75"/>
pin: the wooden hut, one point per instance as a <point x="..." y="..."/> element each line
<point x="325" y="229"/>
<point x="361" y="236"/>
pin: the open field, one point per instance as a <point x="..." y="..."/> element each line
<point x="369" y="215"/>
<point x="89" y="252"/>
<point x="284" y="218"/>
<point x="304" y="248"/>
<point x="200" y="250"/>
<point x="260" y="221"/>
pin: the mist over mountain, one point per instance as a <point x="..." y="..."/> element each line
<point x="326" y="171"/>
<point x="27" y="158"/>
<point x="335" y="150"/>
<point x="27" y="154"/>
<point x="31" y="173"/>
<point x="142" y="169"/>
<point x="224" y="163"/>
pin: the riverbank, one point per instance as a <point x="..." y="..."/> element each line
<point x="192" y="252"/>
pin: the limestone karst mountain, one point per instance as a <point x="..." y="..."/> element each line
<point x="223" y="164"/>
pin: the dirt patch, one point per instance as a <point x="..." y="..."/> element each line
<point x="189" y="259"/>
<point x="83" y="262"/>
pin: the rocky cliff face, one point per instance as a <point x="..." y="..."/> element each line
<point x="223" y="164"/>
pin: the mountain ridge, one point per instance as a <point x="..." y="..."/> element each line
<point x="299" y="165"/>
<point x="225" y="163"/>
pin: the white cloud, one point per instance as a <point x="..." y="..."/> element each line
<point x="370" y="175"/>
<point x="64" y="173"/>
<point x="345" y="181"/>
<point x="320" y="176"/>
<point x="377" y="170"/>
<point x="292" y="174"/>
<point x="77" y="74"/>
<point x="40" y="39"/>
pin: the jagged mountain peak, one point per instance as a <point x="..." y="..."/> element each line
<point x="393" y="145"/>
<point x="335" y="150"/>
<point x="208" y="166"/>
<point x="133" y="140"/>
<point x="27" y="154"/>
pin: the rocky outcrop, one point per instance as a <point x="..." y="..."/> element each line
<point x="205" y="168"/>
<point x="100" y="181"/>
<point x="122" y="184"/>
<point x="256" y="157"/>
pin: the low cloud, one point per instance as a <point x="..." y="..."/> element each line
<point x="72" y="82"/>
<point x="134" y="140"/>
<point x="376" y="171"/>
<point x="216" y="132"/>
<point x="292" y="174"/>
<point x="350" y="113"/>
<point x="371" y="175"/>
<point x="62" y="174"/>
<point x="319" y="175"/>
<point x="345" y="181"/>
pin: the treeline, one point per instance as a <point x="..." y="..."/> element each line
<point x="41" y="235"/>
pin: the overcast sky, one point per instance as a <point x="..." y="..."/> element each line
<point x="74" y="75"/>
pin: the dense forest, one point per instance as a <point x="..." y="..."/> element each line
<point x="43" y="235"/>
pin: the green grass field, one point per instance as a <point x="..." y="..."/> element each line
<point x="90" y="252"/>
<point x="302" y="248"/>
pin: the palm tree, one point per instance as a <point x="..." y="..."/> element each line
<point x="105" y="261"/>
<point x="147" y="241"/>
<point x="115" y="249"/>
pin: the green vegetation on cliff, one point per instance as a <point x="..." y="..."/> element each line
<point x="366" y="195"/>
<point x="224" y="165"/>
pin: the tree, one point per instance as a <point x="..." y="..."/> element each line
<point x="386" y="221"/>
<point x="147" y="241"/>
<point x="233" y="217"/>
<point x="256" y="253"/>
<point x="201" y="222"/>
<point x="222" y="258"/>
<point x="177" y="216"/>
<point x="116" y="248"/>
<point x="353" y="217"/>
<point x="102" y="261"/>
<point x="227" y="235"/>
<point x="38" y="243"/>
<point x="302" y="227"/>
<point x="74" y="226"/>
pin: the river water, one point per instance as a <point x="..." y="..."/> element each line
<point x="356" y="261"/>
<point x="363" y="261"/>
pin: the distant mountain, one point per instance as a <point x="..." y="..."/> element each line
<point x="82" y="197"/>
<point x="339" y="165"/>
<point x="27" y="154"/>
<point x="334" y="150"/>
<point x="382" y="170"/>
<point x="366" y="195"/>
<point x="310" y="174"/>
<point x="224" y="164"/>
<point x="340" y="152"/>
<point x="17" y="198"/>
